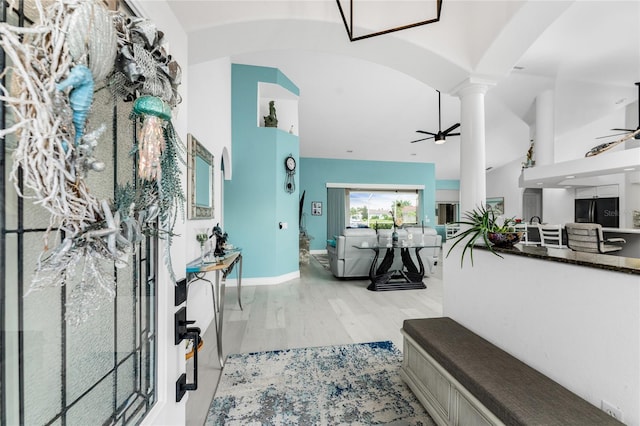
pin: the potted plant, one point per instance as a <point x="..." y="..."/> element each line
<point x="483" y="225"/>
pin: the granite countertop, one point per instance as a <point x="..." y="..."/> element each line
<point x="622" y="230"/>
<point x="629" y="265"/>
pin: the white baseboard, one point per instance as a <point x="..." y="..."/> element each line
<point x="264" y="280"/>
<point x="323" y="251"/>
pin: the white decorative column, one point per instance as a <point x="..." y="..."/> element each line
<point x="473" y="185"/>
<point x="545" y="128"/>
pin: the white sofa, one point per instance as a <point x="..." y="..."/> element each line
<point x="347" y="261"/>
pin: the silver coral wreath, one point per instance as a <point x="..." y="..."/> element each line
<point x="143" y="66"/>
<point x="43" y="124"/>
<point x="55" y="155"/>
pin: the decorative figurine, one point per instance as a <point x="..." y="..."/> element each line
<point x="221" y="240"/>
<point x="530" y="161"/>
<point x="80" y="80"/>
<point x="271" y="120"/>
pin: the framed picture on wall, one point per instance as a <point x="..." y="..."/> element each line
<point x="316" y="208"/>
<point x="200" y="174"/>
<point x="496" y="204"/>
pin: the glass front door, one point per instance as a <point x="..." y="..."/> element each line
<point x="51" y="372"/>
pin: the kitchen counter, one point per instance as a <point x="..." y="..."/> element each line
<point x="622" y="230"/>
<point x="629" y="265"/>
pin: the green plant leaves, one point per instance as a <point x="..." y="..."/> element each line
<point x="475" y="226"/>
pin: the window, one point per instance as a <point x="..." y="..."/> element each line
<point x="375" y="208"/>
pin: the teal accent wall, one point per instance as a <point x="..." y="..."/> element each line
<point x="255" y="201"/>
<point x="448" y="184"/>
<point x="315" y="173"/>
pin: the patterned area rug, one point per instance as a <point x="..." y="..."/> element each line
<point x="322" y="259"/>
<point x="356" y="384"/>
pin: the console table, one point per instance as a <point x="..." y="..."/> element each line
<point x="196" y="271"/>
<point x="409" y="277"/>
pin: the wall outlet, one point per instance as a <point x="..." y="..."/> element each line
<point x="611" y="410"/>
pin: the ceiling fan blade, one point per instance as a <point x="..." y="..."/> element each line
<point x="426" y="133"/>
<point x="424" y="139"/>
<point x="455" y="126"/>
<point x="453" y="134"/>
<point x="610" y="136"/>
<point x="626" y="131"/>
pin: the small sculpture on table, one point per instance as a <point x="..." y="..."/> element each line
<point x="221" y="240"/>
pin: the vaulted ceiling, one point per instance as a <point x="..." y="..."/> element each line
<point x="366" y="99"/>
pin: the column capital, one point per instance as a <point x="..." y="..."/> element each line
<point x="473" y="85"/>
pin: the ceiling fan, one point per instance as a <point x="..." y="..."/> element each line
<point x="441" y="136"/>
<point x="625" y="131"/>
<point x="628" y="134"/>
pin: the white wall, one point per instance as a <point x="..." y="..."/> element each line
<point x="285" y="103"/>
<point x="447" y="196"/>
<point x="210" y="122"/>
<point x="632" y="180"/>
<point x="576" y="324"/>
<point x="574" y="144"/>
<point x="632" y="198"/>
<point x="558" y="205"/>
<point x="503" y="182"/>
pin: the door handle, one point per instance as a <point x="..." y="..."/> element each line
<point x="192" y="333"/>
<point x="182" y="332"/>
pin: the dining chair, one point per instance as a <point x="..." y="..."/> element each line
<point x="527" y="237"/>
<point x="551" y="236"/>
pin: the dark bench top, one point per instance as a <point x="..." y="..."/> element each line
<point x="516" y="393"/>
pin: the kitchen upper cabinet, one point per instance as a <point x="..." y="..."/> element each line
<point x="586" y="192"/>
<point x="603" y="191"/>
<point x="607" y="191"/>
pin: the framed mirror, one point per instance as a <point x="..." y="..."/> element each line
<point x="199" y="180"/>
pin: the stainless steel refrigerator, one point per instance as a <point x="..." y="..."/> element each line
<point x="598" y="210"/>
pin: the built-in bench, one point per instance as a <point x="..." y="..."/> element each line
<point x="463" y="379"/>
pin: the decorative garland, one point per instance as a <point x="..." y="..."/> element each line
<point x="56" y="65"/>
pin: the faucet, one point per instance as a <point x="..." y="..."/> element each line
<point x="535" y="217"/>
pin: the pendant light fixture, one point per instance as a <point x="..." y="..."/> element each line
<point x="365" y="18"/>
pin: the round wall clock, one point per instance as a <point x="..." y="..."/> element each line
<point x="290" y="164"/>
<point x="290" y="168"/>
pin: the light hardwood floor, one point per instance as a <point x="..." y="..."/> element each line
<point x="313" y="310"/>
